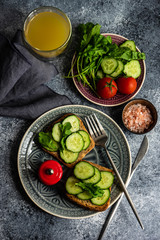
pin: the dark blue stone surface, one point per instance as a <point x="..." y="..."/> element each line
<point x="20" y="218"/>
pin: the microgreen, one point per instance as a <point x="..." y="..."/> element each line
<point x="94" y="190"/>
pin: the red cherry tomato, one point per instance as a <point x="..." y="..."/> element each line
<point x="106" y="88"/>
<point x="50" y="172"/>
<point x="126" y="85"/>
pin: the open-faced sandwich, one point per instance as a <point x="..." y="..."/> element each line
<point x="67" y="139"/>
<point x="89" y="185"/>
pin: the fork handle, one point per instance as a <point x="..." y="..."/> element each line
<point x="124" y="188"/>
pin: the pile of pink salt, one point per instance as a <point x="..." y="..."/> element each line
<point x="137" y="118"/>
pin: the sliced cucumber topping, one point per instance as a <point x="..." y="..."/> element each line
<point x="96" y="177"/>
<point x="106" y="180"/>
<point x="71" y="188"/>
<point x="109" y="65"/>
<point x="74" y="121"/>
<point x="118" y="70"/>
<point x="68" y="156"/>
<point x="84" y="195"/>
<point x="56" y="132"/>
<point x="132" y="69"/>
<point x="101" y="200"/>
<point x="130" y="44"/>
<point x="74" y="142"/>
<point x="84" y="170"/>
<point x="86" y="139"/>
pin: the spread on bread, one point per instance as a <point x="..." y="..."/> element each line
<point x="90" y="185"/>
<point x="67" y="139"/>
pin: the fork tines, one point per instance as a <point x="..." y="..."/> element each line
<point x="94" y="126"/>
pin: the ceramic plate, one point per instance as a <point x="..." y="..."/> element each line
<point x="119" y="98"/>
<point x="51" y="198"/>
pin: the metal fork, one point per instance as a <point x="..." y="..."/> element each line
<point x="100" y="137"/>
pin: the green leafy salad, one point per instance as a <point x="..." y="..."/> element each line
<point x="98" y="57"/>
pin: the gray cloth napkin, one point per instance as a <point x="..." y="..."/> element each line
<point x="22" y="77"/>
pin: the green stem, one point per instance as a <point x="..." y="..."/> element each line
<point x="86" y="81"/>
<point x="74" y="62"/>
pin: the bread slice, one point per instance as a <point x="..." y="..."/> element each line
<point x="82" y="154"/>
<point x="87" y="203"/>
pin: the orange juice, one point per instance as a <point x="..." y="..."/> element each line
<point x="46" y="32"/>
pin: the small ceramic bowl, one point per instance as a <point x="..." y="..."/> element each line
<point x="136" y="112"/>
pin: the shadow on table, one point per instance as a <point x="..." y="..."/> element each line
<point x="13" y="164"/>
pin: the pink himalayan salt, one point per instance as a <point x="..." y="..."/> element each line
<point x="137" y="118"/>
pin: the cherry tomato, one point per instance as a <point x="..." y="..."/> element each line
<point x="126" y="85"/>
<point x="106" y="88"/>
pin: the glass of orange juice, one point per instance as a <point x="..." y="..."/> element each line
<point x="47" y="32"/>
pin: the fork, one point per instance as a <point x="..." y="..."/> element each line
<point x="100" y="137"/>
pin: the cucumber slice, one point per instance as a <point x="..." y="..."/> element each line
<point x="101" y="200"/>
<point x="132" y="69"/>
<point x="84" y="170"/>
<point x="74" y="142"/>
<point x="56" y="132"/>
<point x="118" y="70"/>
<point x="109" y="65"/>
<point x="106" y="180"/>
<point x="71" y="188"/>
<point x="68" y="156"/>
<point x="86" y="139"/>
<point x="130" y="44"/>
<point x="84" y="195"/>
<point x="74" y="121"/>
<point x="96" y="177"/>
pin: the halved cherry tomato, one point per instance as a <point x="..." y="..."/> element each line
<point x="126" y="85"/>
<point x="106" y="88"/>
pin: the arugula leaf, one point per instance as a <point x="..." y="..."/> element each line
<point x="65" y="129"/>
<point x="126" y="54"/>
<point x="109" y="39"/>
<point x="84" y="28"/>
<point x="46" y="141"/>
<point x="94" y="190"/>
<point x="62" y="142"/>
<point x="138" y="55"/>
<point x="88" y="30"/>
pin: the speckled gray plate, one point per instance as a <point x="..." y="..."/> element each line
<point x="51" y="198"/>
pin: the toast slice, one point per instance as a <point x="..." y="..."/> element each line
<point x="87" y="203"/>
<point x="82" y="154"/>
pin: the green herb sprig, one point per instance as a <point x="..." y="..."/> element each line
<point x="94" y="190"/>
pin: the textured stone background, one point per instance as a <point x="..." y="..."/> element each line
<point x="20" y="218"/>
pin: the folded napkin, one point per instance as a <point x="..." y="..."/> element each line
<point x="22" y="77"/>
